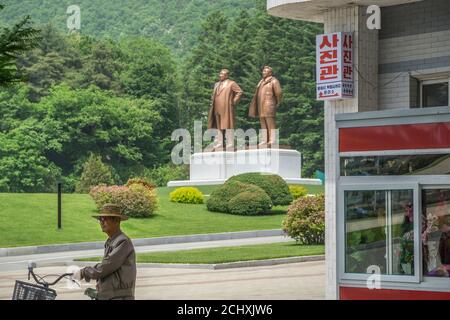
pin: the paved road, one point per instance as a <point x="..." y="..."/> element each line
<point x="304" y="280"/>
<point x="21" y="262"/>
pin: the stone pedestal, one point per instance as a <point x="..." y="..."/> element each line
<point x="209" y="168"/>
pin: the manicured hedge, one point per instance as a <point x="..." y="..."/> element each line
<point x="186" y="195"/>
<point x="220" y="198"/>
<point x="250" y="203"/>
<point x="272" y="184"/>
<point x="297" y="191"/>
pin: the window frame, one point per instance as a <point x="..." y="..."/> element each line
<point x="341" y="235"/>
<point x="436" y="282"/>
<point x="433" y="81"/>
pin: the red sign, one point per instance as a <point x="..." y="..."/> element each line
<point x="334" y="58"/>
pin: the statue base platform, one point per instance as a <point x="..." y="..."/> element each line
<point x="212" y="168"/>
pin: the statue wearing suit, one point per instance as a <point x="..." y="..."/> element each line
<point x="225" y="97"/>
<point x="265" y="103"/>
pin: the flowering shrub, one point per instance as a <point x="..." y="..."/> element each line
<point x="142" y="181"/>
<point x="297" y="191"/>
<point x="135" y="201"/>
<point x="305" y="221"/>
<point x="186" y="195"/>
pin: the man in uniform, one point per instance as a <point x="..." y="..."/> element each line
<point x="116" y="274"/>
<point x="265" y="103"/>
<point x="225" y="97"/>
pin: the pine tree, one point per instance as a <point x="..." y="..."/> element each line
<point x="202" y="69"/>
<point x="252" y="40"/>
<point x="13" y="42"/>
<point x="242" y="61"/>
<point x="95" y="172"/>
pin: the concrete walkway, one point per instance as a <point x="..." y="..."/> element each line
<point x="10" y="263"/>
<point x="304" y="280"/>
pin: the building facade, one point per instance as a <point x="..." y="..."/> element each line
<point x="387" y="150"/>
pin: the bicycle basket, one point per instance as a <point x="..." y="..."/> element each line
<point x="29" y="291"/>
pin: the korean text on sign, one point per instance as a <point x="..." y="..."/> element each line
<point x="334" y="58"/>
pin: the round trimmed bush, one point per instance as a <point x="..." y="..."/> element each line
<point x="220" y="197"/>
<point x="305" y="221"/>
<point x="272" y="184"/>
<point x="186" y="195"/>
<point x="250" y="203"/>
<point x="297" y="191"/>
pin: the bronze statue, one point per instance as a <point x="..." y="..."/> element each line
<point x="225" y="97"/>
<point x="264" y="105"/>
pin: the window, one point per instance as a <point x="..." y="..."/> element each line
<point x="386" y="165"/>
<point x="436" y="232"/>
<point x="434" y="93"/>
<point x="379" y="231"/>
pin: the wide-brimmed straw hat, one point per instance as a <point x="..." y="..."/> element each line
<point x="111" y="210"/>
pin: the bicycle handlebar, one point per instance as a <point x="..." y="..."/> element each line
<point x="31" y="266"/>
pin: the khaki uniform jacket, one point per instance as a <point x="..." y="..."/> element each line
<point x="223" y="100"/>
<point x="116" y="274"/>
<point x="271" y="93"/>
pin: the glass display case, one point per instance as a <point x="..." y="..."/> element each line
<point x="436" y="232"/>
<point x="379" y="231"/>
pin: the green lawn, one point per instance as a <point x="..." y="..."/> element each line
<point x="30" y="219"/>
<point x="229" y="254"/>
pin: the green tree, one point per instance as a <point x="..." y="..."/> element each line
<point x="47" y="64"/>
<point x="249" y="42"/>
<point x="241" y="59"/>
<point x="23" y="164"/>
<point x="95" y="172"/>
<point x="202" y="69"/>
<point x="13" y="42"/>
<point x="120" y="129"/>
<point x="102" y="66"/>
<point x="150" y="73"/>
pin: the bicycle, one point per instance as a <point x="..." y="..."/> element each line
<point x="41" y="290"/>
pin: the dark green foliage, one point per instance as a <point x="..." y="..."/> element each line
<point x="165" y="173"/>
<point x="95" y="172"/>
<point x="250" y="203"/>
<point x="272" y="184"/>
<point x="75" y="87"/>
<point x="244" y="45"/>
<point x="23" y="166"/>
<point x="220" y="198"/>
<point x="13" y="42"/>
<point x="175" y="23"/>
<point x="113" y="91"/>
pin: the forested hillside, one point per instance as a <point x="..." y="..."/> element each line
<point x="175" y="23"/>
<point x="118" y="92"/>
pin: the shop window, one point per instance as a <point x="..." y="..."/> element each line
<point x="424" y="164"/>
<point x="379" y="231"/>
<point x="434" y="93"/>
<point x="436" y="232"/>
